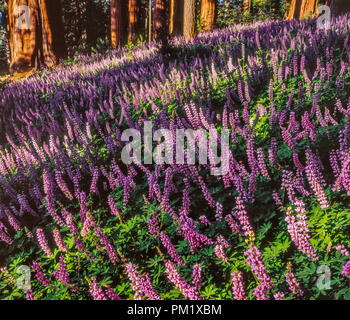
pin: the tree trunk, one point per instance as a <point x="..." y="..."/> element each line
<point x="247" y="4"/>
<point x="36" y="35"/>
<point x="208" y="14"/>
<point x="338" y="7"/>
<point x="302" y="8"/>
<point x="308" y="7"/>
<point x="134" y="9"/>
<point x="189" y="22"/>
<point x="159" y="18"/>
<point x="118" y="23"/>
<point x="176" y="17"/>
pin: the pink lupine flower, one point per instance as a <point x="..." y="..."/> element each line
<point x="294" y="285"/>
<point x="40" y="275"/>
<point x="61" y="274"/>
<point x="96" y="292"/>
<point x="237" y="286"/>
<point x="42" y="242"/>
<point x="220" y="253"/>
<point x="346" y="270"/>
<point x="58" y="240"/>
<point x="342" y="249"/>
<point x="173" y="275"/>
<point x="171" y="249"/>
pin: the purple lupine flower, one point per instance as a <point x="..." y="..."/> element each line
<point x="346" y="270"/>
<point x="95" y="175"/>
<point x="141" y="285"/>
<point x="294" y="285"/>
<point x="171" y="249"/>
<point x="111" y="294"/>
<point x="62" y="185"/>
<point x="61" y="274"/>
<point x="253" y="258"/>
<point x="197" y="276"/>
<point x="194" y="238"/>
<point x="260" y="292"/>
<point x="40" y="275"/>
<point x="343" y="250"/>
<point x="88" y="224"/>
<point x="4" y="237"/>
<point x="148" y="289"/>
<point x="242" y="216"/>
<point x="220" y="253"/>
<point x="73" y="229"/>
<point x="233" y="224"/>
<point x="222" y="241"/>
<point x="96" y="292"/>
<point x="273" y="152"/>
<point x="298" y="230"/>
<point x="237" y="286"/>
<point x="173" y="275"/>
<point x="315" y="180"/>
<point x="204" y="220"/>
<point x="112" y="254"/>
<point x="262" y="164"/>
<point x="279" y="296"/>
<point x="218" y="214"/>
<point x="153" y="225"/>
<point x="42" y="242"/>
<point x="58" y="240"/>
<point x="83" y="208"/>
<point x="30" y="295"/>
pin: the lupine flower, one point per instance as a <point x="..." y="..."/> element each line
<point x="61" y="274"/>
<point x="173" y="275"/>
<point x="153" y="225"/>
<point x="30" y="295"/>
<point x="298" y="230"/>
<point x="346" y="270"/>
<point x="204" y="220"/>
<point x="96" y="292"/>
<point x="112" y="254"/>
<point x="141" y="285"/>
<point x="58" y="240"/>
<point x="341" y="248"/>
<point x="111" y="294"/>
<point x="171" y="249"/>
<point x="279" y="296"/>
<point x="242" y="216"/>
<point x="197" y="276"/>
<point x="237" y="286"/>
<point x="253" y="258"/>
<point x="260" y="292"/>
<point x="40" y="275"/>
<point x="220" y="253"/>
<point x="42" y="242"/>
<point x="294" y="285"/>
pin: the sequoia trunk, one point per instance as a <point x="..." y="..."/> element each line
<point x="189" y="23"/>
<point x="36" y="34"/>
<point x="208" y="14"/>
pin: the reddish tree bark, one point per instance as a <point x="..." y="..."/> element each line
<point x="119" y="16"/>
<point x="189" y="22"/>
<point x="176" y="17"/>
<point x="134" y="9"/>
<point x="338" y="7"/>
<point x="247" y="4"/>
<point x="208" y="14"/>
<point x="40" y="42"/>
<point x="302" y="8"/>
<point x="159" y="18"/>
